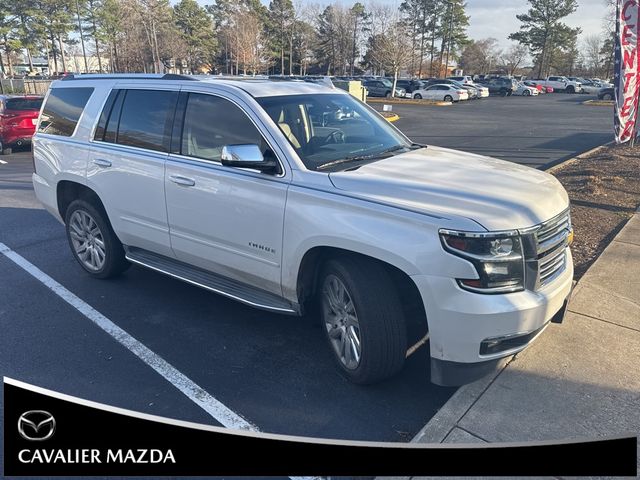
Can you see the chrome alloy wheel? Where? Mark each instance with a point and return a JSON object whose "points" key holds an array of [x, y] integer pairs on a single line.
{"points": [[341, 322], [87, 240]]}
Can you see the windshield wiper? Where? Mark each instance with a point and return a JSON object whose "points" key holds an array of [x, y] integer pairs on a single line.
{"points": [[359, 158]]}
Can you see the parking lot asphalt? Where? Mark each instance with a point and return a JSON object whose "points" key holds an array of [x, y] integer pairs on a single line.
{"points": [[534, 131], [275, 371]]}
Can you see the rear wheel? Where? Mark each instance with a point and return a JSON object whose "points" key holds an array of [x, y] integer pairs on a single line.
{"points": [[418, 96], [92, 240], [363, 319], [5, 150], [388, 95], [607, 96], [448, 98]]}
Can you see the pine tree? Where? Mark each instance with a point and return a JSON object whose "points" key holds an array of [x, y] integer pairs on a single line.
{"points": [[545, 35]]}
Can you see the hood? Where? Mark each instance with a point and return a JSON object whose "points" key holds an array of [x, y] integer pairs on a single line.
{"points": [[497, 194]]}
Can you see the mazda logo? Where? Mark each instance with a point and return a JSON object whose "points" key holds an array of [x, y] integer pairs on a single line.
{"points": [[36, 425]]}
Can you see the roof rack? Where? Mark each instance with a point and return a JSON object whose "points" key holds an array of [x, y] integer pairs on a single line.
{"points": [[128, 76]]}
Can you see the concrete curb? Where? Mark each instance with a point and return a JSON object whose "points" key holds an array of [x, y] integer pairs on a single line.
{"points": [[391, 118], [551, 167], [598, 103], [446, 419]]}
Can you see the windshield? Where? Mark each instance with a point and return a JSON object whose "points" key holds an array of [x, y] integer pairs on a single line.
{"points": [[333, 132]]}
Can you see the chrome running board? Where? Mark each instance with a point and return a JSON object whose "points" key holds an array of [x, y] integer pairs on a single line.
{"points": [[210, 281]]}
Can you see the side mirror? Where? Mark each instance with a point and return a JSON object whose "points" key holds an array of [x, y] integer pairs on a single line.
{"points": [[248, 156]]}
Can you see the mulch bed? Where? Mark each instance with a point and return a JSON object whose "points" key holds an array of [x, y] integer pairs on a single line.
{"points": [[604, 188]]}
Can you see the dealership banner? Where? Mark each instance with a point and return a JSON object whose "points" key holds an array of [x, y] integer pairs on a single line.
{"points": [[53, 434], [626, 82]]}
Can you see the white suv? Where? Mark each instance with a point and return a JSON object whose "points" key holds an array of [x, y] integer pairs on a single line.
{"points": [[295, 197]]}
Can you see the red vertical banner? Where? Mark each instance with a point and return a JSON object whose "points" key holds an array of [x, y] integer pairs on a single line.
{"points": [[627, 83]]}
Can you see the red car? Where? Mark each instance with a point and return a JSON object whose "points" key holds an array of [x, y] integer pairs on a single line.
{"points": [[541, 88], [18, 118]]}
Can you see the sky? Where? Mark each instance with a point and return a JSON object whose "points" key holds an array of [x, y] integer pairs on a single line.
{"points": [[497, 18]]}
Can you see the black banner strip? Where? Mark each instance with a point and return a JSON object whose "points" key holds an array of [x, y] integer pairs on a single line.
{"points": [[46, 435]]}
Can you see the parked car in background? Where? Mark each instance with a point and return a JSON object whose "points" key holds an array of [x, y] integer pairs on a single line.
{"points": [[606, 93], [471, 91], [541, 88], [561, 84], [604, 83], [382, 87], [18, 119], [482, 91], [410, 86], [526, 90], [442, 92], [464, 79], [591, 87], [501, 86]]}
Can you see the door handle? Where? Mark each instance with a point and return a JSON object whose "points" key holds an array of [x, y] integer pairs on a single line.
{"points": [[101, 162], [184, 181]]}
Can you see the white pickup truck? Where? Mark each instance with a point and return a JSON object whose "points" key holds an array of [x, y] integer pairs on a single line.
{"points": [[297, 198], [561, 84]]}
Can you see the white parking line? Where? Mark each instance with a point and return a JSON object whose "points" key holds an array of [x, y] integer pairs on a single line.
{"points": [[3, 162], [194, 392]]}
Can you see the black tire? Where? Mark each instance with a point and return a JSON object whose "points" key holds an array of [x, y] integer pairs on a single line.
{"points": [[114, 259], [526, 93], [448, 98], [503, 93], [570, 89], [388, 95], [418, 96], [6, 150], [607, 96], [379, 313]]}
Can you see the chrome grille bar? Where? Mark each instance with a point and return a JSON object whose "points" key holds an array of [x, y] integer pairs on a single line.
{"points": [[551, 244]]}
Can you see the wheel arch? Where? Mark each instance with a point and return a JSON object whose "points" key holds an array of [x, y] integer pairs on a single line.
{"points": [[413, 305], [67, 191]]}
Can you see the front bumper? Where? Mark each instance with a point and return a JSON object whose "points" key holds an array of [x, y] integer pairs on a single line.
{"points": [[460, 321]]}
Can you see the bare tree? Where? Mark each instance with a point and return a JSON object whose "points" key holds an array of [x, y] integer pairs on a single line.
{"points": [[591, 51], [514, 57], [392, 49], [479, 56]]}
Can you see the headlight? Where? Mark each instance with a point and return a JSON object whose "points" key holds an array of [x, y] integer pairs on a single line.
{"points": [[497, 257]]}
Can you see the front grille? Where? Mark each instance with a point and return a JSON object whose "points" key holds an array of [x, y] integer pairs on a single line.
{"points": [[551, 247]]}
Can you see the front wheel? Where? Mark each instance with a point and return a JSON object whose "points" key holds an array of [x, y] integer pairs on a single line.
{"points": [[570, 89], [417, 96], [607, 96], [363, 319], [388, 95], [448, 98], [92, 240], [526, 93]]}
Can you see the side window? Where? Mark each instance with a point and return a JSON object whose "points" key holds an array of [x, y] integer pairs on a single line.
{"points": [[63, 109], [146, 119], [212, 122], [104, 116]]}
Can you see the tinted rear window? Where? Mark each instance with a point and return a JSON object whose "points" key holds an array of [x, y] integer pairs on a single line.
{"points": [[23, 104], [146, 119], [63, 109]]}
